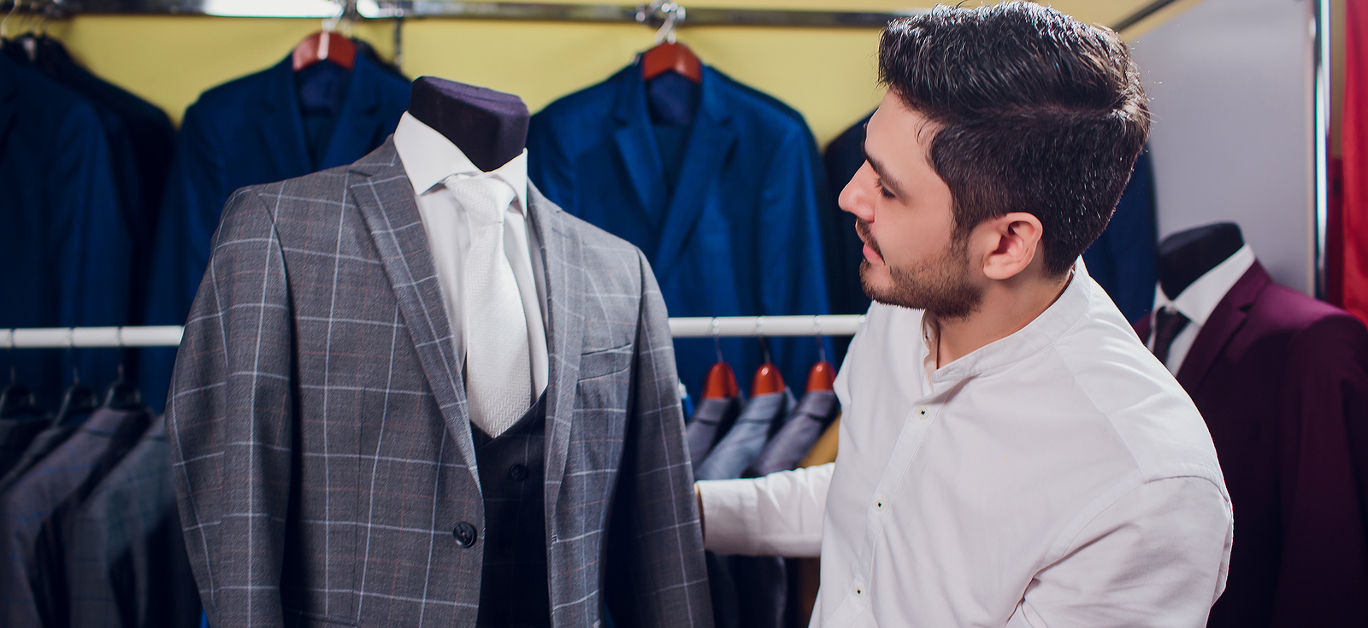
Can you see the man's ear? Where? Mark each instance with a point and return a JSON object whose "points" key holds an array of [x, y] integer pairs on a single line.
{"points": [[1011, 242]]}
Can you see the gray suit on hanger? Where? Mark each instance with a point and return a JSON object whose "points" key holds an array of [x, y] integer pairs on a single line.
{"points": [[321, 445]]}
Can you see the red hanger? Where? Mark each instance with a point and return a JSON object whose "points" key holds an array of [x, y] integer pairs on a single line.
{"points": [[822, 377], [767, 380], [674, 57], [721, 383], [325, 45]]}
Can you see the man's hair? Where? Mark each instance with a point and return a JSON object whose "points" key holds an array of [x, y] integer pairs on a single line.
{"points": [[1034, 111]]}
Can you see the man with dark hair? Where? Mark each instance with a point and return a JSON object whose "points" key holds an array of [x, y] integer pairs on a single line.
{"points": [[1010, 454]]}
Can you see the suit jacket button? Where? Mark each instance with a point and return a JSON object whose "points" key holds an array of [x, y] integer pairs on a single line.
{"points": [[518, 472], [465, 534]]}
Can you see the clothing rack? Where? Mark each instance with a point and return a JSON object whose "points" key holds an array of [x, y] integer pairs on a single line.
{"points": [[170, 335], [518, 11]]}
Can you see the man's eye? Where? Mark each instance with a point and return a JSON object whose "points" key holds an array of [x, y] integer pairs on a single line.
{"points": [[884, 191]]}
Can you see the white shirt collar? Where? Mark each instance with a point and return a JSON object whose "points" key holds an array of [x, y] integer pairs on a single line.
{"points": [[429, 158], [1044, 330], [1200, 299]]}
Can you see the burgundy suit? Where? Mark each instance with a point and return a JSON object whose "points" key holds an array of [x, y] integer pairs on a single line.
{"points": [[1282, 381]]}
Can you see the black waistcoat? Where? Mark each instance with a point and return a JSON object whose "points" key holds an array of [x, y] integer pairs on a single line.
{"points": [[513, 592]]}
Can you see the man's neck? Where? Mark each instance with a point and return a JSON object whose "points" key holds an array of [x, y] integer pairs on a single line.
{"points": [[1005, 310]]}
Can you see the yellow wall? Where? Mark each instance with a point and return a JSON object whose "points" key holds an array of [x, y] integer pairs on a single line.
{"points": [[827, 74]]}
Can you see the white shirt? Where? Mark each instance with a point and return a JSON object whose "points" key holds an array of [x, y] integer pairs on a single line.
{"points": [[1198, 301], [1057, 477], [429, 158]]}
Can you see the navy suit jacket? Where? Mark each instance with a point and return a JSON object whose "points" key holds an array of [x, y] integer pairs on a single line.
{"points": [[1282, 381], [738, 236], [36, 510], [64, 247], [247, 132]]}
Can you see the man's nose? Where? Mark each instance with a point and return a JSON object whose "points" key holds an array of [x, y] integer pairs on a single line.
{"points": [[855, 197]]}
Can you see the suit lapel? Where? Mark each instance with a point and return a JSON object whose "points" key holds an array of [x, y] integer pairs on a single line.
{"points": [[357, 121], [1221, 326], [565, 293], [385, 198], [280, 126], [636, 145], [709, 142]]}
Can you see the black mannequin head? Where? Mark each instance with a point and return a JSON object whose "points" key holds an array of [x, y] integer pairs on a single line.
{"points": [[489, 127], [1187, 255]]}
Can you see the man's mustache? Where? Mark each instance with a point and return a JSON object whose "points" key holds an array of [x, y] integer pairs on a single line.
{"points": [[862, 229]]}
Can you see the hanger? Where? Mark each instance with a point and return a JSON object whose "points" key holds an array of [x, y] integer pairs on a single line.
{"points": [[121, 394], [668, 55], [78, 399], [721, 381], [767, 378], [16, 400], [822, 377], [327, 44]]}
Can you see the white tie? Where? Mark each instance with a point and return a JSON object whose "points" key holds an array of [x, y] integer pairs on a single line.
{"points": [[498, 371]]}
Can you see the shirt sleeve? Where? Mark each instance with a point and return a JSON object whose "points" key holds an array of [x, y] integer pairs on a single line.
{"points": [[776, 515], [1156, 556]]}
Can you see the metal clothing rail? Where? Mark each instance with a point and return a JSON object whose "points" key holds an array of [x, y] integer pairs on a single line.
{"points": [[519, 11], [170, 335]]}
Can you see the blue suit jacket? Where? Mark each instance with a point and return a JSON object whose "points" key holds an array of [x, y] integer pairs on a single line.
{"points": [[64, 246], [246, 132], [738, 236]]}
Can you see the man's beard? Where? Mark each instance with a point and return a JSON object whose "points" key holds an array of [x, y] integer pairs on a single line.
{"points": [[941, 287]]}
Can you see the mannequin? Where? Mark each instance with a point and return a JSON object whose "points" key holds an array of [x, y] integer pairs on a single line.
{"points": [[1187, 255], [1281, 380], [489, 127]]}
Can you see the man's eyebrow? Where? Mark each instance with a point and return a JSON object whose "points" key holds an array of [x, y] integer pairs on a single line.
{"points": [[882, 171]]}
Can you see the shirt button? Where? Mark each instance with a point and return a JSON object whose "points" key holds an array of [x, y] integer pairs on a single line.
{"points": [[465, 534], [517, 472], [880, 503], [859, 590], [921, 412]]}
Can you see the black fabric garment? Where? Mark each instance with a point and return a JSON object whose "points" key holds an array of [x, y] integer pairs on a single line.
{"points": [[749, 592], [709, 423], [42, 444], [15, 436], [513, 589], [125, 563], [34, 510]]}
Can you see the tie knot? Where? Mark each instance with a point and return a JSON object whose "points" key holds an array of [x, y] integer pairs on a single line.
{"points": [[485, 196]]}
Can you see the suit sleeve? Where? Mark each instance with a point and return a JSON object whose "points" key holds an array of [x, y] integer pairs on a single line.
{"points": [[790, 248], [229, 421], [1156, 555], [195, 192], [655, 545], [1324, 569]]}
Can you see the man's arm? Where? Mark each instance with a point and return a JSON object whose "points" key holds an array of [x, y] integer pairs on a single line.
{"points": [[1157, 555], [776, 515]]}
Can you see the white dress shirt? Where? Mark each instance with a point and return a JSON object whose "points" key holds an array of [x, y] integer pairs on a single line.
{"points": [[1057, 477], [1198, 301], [429, 158]]}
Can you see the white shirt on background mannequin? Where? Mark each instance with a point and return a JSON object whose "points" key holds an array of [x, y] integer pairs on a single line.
{"points": [[429, 158], [1058, 476], [1198, 301]]}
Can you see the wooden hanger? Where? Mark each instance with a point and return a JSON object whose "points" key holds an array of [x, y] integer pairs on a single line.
{"points": [[669, 55], [325, 45], [822, 377], [767, 380], [721, 383]]}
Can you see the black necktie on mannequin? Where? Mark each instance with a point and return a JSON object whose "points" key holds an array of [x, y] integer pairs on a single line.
{"points": [[1168, 322]]}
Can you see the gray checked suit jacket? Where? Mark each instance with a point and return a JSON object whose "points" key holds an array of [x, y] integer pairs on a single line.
{"points": [[321, 446]]}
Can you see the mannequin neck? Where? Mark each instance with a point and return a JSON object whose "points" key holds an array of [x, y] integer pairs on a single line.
{"points": [[489, 127], [1187, 255]]}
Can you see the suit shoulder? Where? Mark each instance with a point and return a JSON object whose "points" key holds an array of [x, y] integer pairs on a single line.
{"points": [[233, 94], [589, 103], [759, 108]]}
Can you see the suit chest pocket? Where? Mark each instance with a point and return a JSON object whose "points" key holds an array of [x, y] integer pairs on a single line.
{"points": [[602, 363]]}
